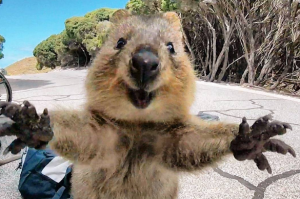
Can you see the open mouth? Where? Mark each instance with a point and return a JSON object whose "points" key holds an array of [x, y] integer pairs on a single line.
{"points": [[140, 98]]}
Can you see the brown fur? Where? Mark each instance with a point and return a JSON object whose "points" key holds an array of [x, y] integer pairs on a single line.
{"points": [[121, 152]]}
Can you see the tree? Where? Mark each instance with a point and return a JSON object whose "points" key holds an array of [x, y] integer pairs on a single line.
{"points": [[168, 5], [253, 41], [78, 43], [85, 35], [151, 6], [137, 6], [102, 14], [45, 52], [2, 40]]}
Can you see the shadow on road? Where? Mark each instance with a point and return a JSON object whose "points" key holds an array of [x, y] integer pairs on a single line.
{"points": [[23, 84]]}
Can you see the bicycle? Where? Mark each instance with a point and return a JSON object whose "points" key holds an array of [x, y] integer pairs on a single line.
{"points": [[7, 87], [7, 96]]}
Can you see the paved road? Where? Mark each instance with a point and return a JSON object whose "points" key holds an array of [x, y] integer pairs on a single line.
{"points": [[229, 179]]}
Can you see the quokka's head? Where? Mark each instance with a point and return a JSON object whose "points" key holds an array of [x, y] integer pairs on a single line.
{"points": [[142, 72]]}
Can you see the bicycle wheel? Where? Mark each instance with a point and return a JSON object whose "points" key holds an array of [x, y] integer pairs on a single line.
{"points": [[5, 89]]}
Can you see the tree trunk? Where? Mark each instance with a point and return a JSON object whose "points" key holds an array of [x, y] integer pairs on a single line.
{"points": [[251, 74], [221, 55], [214, 47], [242, 81], [290, 56], [215, 68], [287, 68], [189, 47], [224, 68], [251, 66], [263, 72], [207, 59]]}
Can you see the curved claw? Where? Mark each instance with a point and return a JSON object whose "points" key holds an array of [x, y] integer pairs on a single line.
{"points": [[262, 163], [15, 147], [278, 128], [279, 146], [45, 112], [244, 127], [45, 119], [287, 126]]}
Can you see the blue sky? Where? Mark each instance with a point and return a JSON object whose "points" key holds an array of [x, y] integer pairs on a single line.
{"points": [[25, 23]]}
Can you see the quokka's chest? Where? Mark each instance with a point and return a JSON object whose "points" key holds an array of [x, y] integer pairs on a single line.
{"points": [[131, 146], [137, 146]]}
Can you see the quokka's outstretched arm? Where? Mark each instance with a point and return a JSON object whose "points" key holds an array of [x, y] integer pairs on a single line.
{"points": [[198, 143], [70, 133], [74, 135], [195, 144]]}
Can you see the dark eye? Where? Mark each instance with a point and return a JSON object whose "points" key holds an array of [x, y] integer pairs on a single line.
{"points": [[121, 43], [171, 47]]}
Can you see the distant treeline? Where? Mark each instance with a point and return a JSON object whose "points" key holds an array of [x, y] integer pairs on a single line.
{"points": [[246, 41], [82, 37], [78, 43]]}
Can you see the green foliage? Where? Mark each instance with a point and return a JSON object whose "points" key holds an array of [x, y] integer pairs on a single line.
{"points": [[78, 28], [168, 5], [136, 6], [94, 42], [39, 66], [101, 14], [151, 6], [88, 33], [2, 40], [78, 43], [45, 52], [60, 47], [0, 1]]}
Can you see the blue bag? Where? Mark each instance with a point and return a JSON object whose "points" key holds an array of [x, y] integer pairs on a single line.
{"points": [[44, 175]]}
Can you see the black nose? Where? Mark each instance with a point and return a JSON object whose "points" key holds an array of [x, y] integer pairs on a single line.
{"points": [[145, 67]]}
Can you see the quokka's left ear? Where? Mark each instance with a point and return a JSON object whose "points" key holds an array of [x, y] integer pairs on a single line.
{"points": [[173, 19]]}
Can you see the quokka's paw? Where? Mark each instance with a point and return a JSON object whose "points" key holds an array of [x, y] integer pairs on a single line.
{"points": [[252, 141], [31, 129]]}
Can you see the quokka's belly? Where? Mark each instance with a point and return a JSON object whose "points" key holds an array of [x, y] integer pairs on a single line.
{"points": [[147, 181]]}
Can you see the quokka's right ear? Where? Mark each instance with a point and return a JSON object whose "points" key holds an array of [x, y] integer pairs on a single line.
{"points": [[120, 15]]}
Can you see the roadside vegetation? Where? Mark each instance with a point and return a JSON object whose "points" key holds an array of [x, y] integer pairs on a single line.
{"points": [[77, 44], [239, 41]]}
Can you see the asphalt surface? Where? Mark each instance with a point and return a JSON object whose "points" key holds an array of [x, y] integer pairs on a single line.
{"points": [[229, 179]]}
